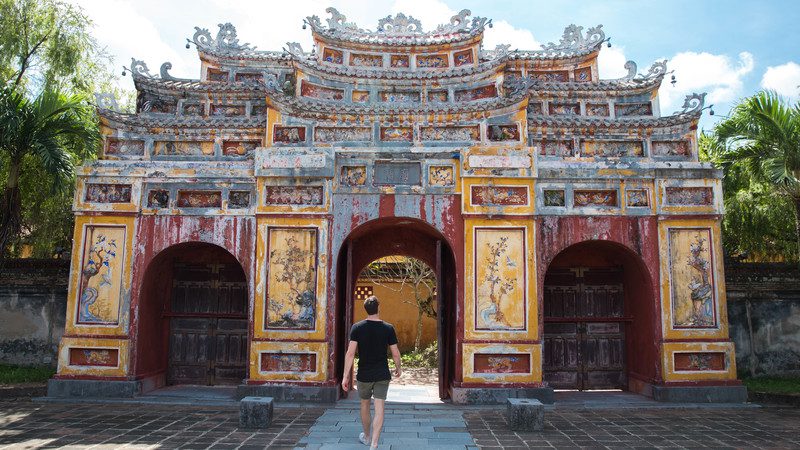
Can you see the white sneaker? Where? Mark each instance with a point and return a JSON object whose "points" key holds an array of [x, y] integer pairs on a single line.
{"points": [[363, 439]]}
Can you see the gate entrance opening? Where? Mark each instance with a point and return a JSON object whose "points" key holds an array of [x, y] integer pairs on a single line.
{"points": [[195, 304], [409, 238], [584, 328], [598, 310]]}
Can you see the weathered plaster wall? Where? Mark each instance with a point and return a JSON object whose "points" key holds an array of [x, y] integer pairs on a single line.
{"points": [[773, 294], [33, 301]]}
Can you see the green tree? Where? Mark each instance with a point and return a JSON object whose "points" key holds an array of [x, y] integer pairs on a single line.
{"points": [[50, 132], [48, 43], [758, 146]]}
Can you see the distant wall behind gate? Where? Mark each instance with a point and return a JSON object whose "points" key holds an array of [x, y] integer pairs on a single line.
{"points": [[33, 302], [33, 307]]}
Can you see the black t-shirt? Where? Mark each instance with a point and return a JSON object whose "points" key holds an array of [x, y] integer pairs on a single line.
{"points": [[373, 337]]}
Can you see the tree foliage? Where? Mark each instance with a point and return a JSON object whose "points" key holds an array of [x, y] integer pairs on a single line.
{"points": [[758, 149], [46, 50], [49, 132]]}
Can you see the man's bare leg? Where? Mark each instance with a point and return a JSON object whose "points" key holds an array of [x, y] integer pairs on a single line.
{"points": [[377, 421], [365, 417]]}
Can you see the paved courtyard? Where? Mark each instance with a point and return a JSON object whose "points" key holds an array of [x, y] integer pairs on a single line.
{"points": [[110, 426]]}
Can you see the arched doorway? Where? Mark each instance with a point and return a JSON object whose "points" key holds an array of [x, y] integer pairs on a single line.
{"points": [[598, 308], [193, 317], [405, 237]]}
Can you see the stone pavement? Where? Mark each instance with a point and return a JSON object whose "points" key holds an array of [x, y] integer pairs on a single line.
{"points": [[26, 425], [406, 426]]}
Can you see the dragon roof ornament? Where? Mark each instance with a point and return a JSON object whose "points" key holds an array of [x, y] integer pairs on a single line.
{"points": [[693, 104], [398, 29], [226, 41], [573, 39], [657, 70]]}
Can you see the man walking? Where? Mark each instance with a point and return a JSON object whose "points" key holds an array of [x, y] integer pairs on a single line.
{"points": [[371, 337]]}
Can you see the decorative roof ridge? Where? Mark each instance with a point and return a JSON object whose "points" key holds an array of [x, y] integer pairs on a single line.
{"points": [[167, 120], [573, 43], [227, 44], [693, 107], [399, 29], [653, 78], [304, 104], [204, 86], [452, 72]]}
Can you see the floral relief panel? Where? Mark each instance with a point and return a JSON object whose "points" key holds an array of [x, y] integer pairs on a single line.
{"points": [[118, 147], [440, 176], [462, 58], [499, 195], [692, 278], [102, 357], [479, 93], [469, 133], [551, 75], [199, 199], [364, 60], [101, 271], [699, 361], [353, 175], [320, 92], [583, 75], [184, 148], [342, 134], [671, 148], [108, 193], [332, 56], [432, 61], [288, 362], [399, 61], [239, 148], [502, 363], [289, 135], [293, 195], [291, 278], [500, 279]]}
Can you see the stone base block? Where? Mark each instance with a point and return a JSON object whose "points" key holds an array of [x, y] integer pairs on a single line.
{"points": [[289, 392], [700, 394], [255, 412], [498, 396], [93, 388], [525, 414]]}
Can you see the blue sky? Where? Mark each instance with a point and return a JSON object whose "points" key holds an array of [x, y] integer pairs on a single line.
{"points": [[729, 49]]}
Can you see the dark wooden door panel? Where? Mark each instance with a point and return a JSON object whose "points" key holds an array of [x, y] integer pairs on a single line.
{"points": [[208, 325], [584, 329]]}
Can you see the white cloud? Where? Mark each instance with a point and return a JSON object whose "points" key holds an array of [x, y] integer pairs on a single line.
{"points": [[783, 79], [503, 32], [718, 75], [611, 62]]}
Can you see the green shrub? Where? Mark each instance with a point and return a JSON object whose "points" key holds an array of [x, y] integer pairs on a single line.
{"points": [[18, 374]]}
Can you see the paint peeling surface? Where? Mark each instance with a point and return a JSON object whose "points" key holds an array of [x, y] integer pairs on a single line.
{"points": [[284, 174]]}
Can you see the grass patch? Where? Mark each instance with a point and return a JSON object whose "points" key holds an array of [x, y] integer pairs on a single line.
{"points": [[18, 374], [773, 385]]}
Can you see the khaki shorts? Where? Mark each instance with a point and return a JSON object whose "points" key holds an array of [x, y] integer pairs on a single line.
{"points": [[367, 390]]}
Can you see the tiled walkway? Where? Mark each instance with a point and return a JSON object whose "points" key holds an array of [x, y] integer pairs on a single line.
{"points": [[610, 421], [406, 427]]}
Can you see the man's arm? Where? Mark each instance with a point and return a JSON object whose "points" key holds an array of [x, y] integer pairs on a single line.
{"points": [[396, 357], [348, 364]]}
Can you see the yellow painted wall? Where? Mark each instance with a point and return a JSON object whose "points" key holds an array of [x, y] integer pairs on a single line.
{"points": [[401, 315]]}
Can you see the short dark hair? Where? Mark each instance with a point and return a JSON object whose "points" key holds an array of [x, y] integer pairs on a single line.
{"points": [[371, 305]]}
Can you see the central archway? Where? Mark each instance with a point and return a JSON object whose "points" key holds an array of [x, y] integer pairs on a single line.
{"points": [[405, 237]]}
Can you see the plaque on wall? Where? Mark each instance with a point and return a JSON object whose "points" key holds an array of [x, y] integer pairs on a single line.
{"points": [[398, 174]]}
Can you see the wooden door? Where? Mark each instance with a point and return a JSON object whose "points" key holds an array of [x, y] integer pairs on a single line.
{"points": [[208, 325], [584, 329]]}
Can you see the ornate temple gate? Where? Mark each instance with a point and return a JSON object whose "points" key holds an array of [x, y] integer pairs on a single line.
{"points": [[584, 329], [208, 324], [508, 157]]}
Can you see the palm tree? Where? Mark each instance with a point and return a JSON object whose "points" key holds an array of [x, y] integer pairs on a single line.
{"points": [[763, 135], [51, 131]]}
